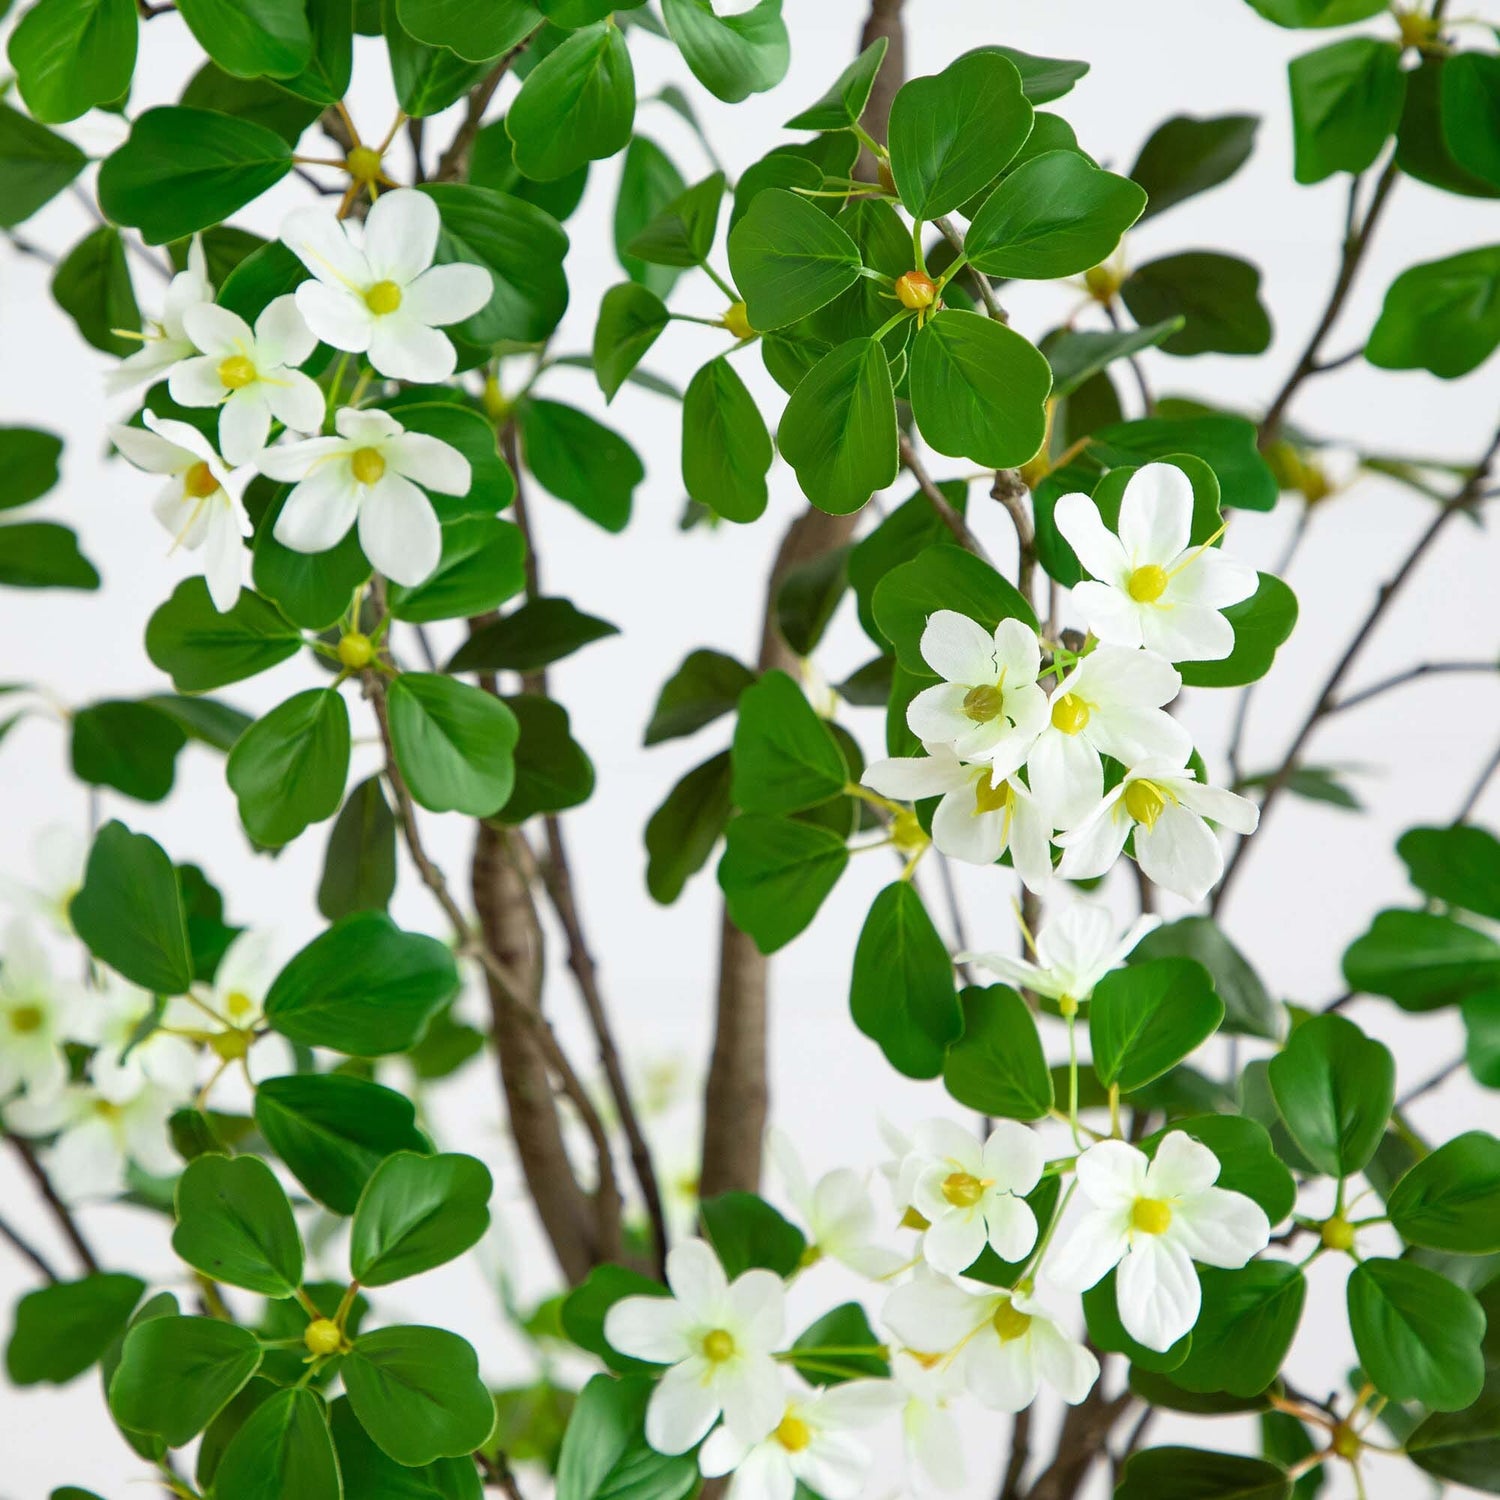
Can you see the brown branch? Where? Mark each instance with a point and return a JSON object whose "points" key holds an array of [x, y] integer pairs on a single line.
{"points": [[454, 162], [26, 1249], [1020, 1455], [1477, 790], [1437, 1080], [1011, 491], [1411, 674], [937, 500], [1461, 502], [59, 1210], [1081, 1442]]}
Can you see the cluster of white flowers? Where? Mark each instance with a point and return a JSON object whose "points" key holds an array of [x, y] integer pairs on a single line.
{"points": [[1154, 600], [729, 1382], [93, 1067], [381, 298]]}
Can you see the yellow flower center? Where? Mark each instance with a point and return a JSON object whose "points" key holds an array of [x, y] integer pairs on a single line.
{"points": [[983, 703], [238, 1004], [1147, 585], [322, 1337], [229, 1046], [1417, 30], [356, 650], [1151, 1215], [1010, 1322], [916, 290], [25, 1019], [237, 372], [963, 1189], [1144, 801], [718, 1345], [1346, 1442], [1069, 714], [382, 298], [793, 1433], [363, 164], [737, 320], [368, 465], [987, 798], [106, 1109], [199, 481]]}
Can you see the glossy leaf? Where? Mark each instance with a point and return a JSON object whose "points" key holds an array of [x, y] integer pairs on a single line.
{"points": [[60, 1330], [454, 744], [844, 102], [417, 1212], [202, 649], [553, 771], [605, 1453], [71, 55], [175, 1374], [732, 56], [1334, 1088], [997, 1065], [235, 1225], [581, 461], [1421, 960], [1217, 297], [1459, 865], [288, 770], [1346, 101], [631, 318], [726, 450], [1185, 156], [577, 105], [1450, 1200], [36, 164], [788, 258], [359, 870], [282, 1452], [683, 831], [1261, 624], [775, 874], [785, 757], [1443, 316], [543, 630], [1147, 1017]]}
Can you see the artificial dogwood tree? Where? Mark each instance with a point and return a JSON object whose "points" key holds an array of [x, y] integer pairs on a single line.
{"points": [[344, 423]]}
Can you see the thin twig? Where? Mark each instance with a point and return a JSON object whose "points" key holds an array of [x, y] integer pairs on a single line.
{"points": [[1011, 492], [25, 1248], [1477, 790], [1411, 674], [1020, 1454], [936, 499], [977, 279], [454, 161], [60, 1210], [1137, 369], [1437, 1080]]}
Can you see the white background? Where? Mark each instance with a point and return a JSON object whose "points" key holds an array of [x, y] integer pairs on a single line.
{"points": [[1310, 885]]}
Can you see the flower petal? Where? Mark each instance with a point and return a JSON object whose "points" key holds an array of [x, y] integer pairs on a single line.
{"points": [[1088, 1251], [1002, 1374], [757, 1306], [224, 556], [338, 316], [1112, 615], [290, 462], [1156, 515], [1180, 853], [1185, 632], [1181, 1166], [399, 530], [682, 1407], [1096, 546], [936, 714], [753, 1394], [282, 334], [910, 777], [1065, 1365], [961, 831], [405, 349], [1214, 580], [947, 1141], [150, 451], [1013, 1157], [1112, 1174], [448, 294], [217, 331], [650, 1328], [434, 464], [195, 382], [697, 1279], [244, 424], [959, 649], [319, 240], [1220, 1228], [296, 401], [1157, 1292], [1018, 652], [1067, 776], [401, 235], [931, 1314], [953, 1241], [1011, 1226], [319, 512]]}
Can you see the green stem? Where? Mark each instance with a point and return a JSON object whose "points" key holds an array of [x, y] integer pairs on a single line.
{"points": [[918, 258], [1041, 1248], [719, 282], [869, 142]]}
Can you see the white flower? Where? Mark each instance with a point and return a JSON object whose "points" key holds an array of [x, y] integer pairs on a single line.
{"points": [[250, 376], [198, 505], [367, 472], [1005, 1343], [166, 342], [979, 817], [838, 1211], [1109, 704], [385, 297], [718, 1338], [129, 1061], [37, 1015], [1154, 589], [811, 1444], [225, 1013], [989, 707], [1075, 948], [973, 1193], [58, 856], [1154, 1218], [934, 1444], [1167, 807], [97, 1137]]}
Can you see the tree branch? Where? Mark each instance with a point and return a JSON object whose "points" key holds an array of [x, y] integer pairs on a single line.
{"points": [[454, 161], [1085, 1431], [1477, 790], [937, 500], [25, 1248], [1411, 674], [59, 1210]]}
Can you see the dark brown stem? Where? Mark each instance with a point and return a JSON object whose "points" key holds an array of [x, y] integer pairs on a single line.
{"points": [[59, 1210], [1137, 369], [25, 1248], [1081, 1442], [937, 500], [1020, 1455], [454, 162], [1010, 490], [1411, 674], [1491, 766]]}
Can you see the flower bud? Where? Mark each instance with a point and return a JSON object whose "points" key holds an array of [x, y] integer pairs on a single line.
{"points": [[737, 321], [322, 1337], [1103, 282], [916, 290], [1338, 1233], [363, 164], [356, 651]]}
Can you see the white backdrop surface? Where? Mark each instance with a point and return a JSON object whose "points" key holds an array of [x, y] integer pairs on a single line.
{"points": [[1308, 888]]}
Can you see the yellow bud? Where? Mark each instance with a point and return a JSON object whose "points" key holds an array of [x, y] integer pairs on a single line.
{"points": [[229, 1046], [916, 290], [1346, 1442], [912, 1219], [382, 298], [496, 407], [368, 465], [1069, 714], [363, 164], [322, 1337], [1010, 1322], [1337, 1233], [356, 651], [737, 320], [1103, 282]]}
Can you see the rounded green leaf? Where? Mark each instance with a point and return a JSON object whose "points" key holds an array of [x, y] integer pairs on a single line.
{"points": [[746, 1233], [979, 390], [577, 105], [788, 258], [631, 318], [543, 630], [1346, 101], [785, 758], [93, 286], [417, 1392], [1450, 1200], [1298, 14], [60, 1330], [71, 55], [476, 32], [483, 564], [175, 1374], [43, 555], [1247, 1162], [251, 38], [775, 874], [997, 1065], [1216, 296], [1147, 1017], [1186, 156], [605, 1452], [366, 1471], [234, 1224], [1443, 316], [1459, 865], [581, 461], [1470, 108], [455, 744], [732, 56], [131, 747], [288, 769], [202, 649], [682, 832], [726, 450], [1421, 960], [553, 771], [1246, 1327], [282, 1452], [844, 102], [1262, 623], [417, 1212], [1196, 1474], [36, 164]]}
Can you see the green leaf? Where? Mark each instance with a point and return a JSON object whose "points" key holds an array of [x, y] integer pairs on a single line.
{"points": [[131, 747], [359, 870], [1227, 444], [42, 555], [1462, 1447], [747, 1233], [1147, 1017], [1196, 1474], [1459, 865], [1056, 215], [129, 911], [844, 102], [427, 79], [288, 769], [682, 234], [325, 79], [788, 258], [28, 464], [1334, 1088], [1217, 297], [996, 1065], [70, 55], [417, 1392], [553, 771], [1417, 1334], [201, 649], [1304, 13], [282, 1452], [580, 461], [1248, 1009], [605, 1455], [901, 536], [648, 182], [333, 1130], [363, 987], [249, 38], [952, 134], [706, 686], [1245, 1329], [1247, 1162], [483, 564], [367, 1472], [255, 99], [1481, 1015], [540, 632], [942, 577], [979, 390], [492, 164], [1450, 1200], [62, 1329], [234, 1224], [35, 166], [1470, 111], [785, 757], [185, 169], [176, 1374], [1186, 156], [809, 597], [1043, 79], [1261, 623], [1102, 1314], [92, 285], [631, 318], [1346, 101], [455, 744], [731, 56], [775, 874], [585, 1307], [1442, 316], [476, 32], [418, 1211], [577, 105], [846, 1327], [1421, 960], [1423, 148], [901, 990], [839, 428], [683, 831], [726, 450]]}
